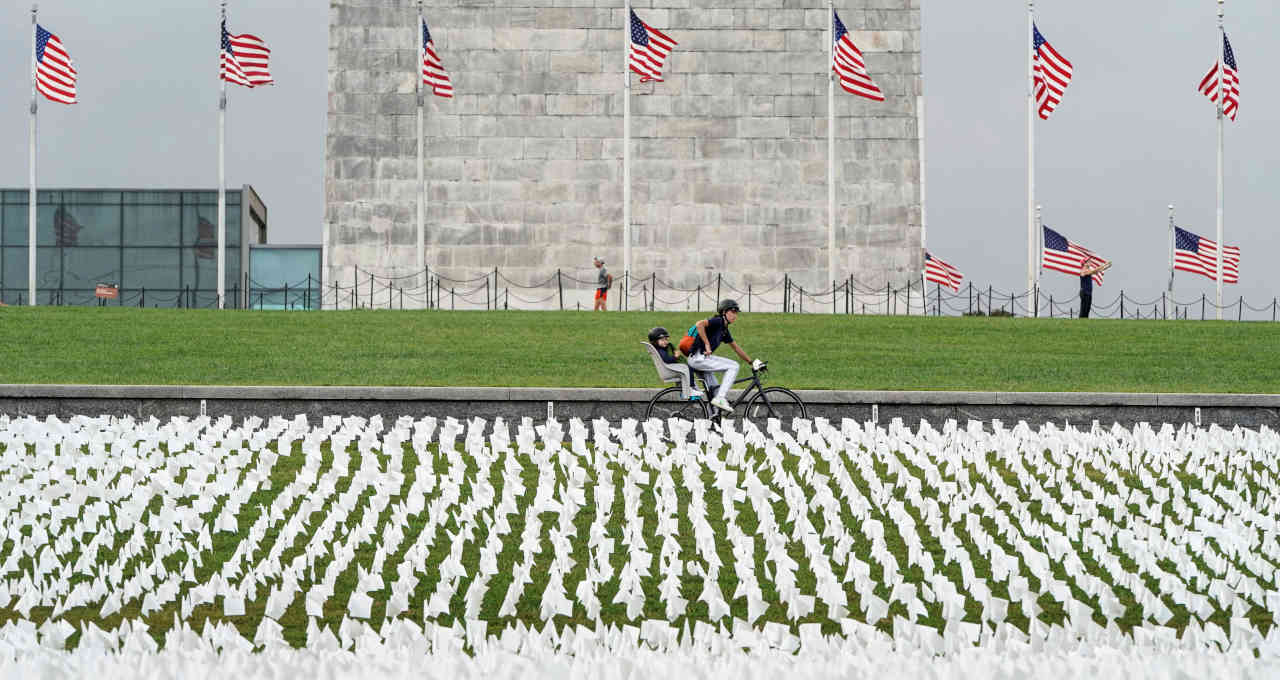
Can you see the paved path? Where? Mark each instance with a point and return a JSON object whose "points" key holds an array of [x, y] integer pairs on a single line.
{"points": [[1075, 408]]}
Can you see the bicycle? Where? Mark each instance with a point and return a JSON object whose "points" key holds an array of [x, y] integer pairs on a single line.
{"points": [[762, 402]]}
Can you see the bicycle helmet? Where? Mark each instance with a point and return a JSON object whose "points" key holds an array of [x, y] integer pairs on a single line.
{"points": [[657, 333], [726, 305]]}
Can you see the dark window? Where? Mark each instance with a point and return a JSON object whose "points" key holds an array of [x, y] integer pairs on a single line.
{"points": [[86, 224], [87, 267], [152, 225], [15, 225], [48, 267], [151, 268]]}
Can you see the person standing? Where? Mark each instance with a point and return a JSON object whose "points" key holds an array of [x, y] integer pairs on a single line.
{"points": [[603, 283], [1090, 268]]}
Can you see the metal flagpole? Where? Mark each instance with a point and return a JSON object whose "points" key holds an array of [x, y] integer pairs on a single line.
{"points": [[422, 190], [924, 213], [626, 140], [1171, 248], [1222, 36], [1031, 150], [920, 122], [31, 196], [1039, 238], [831, 141], [222, 171]]}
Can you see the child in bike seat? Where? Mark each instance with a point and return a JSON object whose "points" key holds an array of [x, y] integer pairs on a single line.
{"points": [[661, 341]]}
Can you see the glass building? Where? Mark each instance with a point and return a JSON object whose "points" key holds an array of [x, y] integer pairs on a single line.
{"points": [[159, 246], [284, 277]]}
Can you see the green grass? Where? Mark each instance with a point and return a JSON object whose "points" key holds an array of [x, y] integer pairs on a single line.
{"points": [[581, 349]]}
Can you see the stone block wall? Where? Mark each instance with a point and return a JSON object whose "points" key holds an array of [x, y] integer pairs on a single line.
{"points": [[524, 165]]}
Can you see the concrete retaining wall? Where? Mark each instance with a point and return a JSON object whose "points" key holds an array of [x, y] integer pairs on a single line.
{"points": [[1076, 408]]}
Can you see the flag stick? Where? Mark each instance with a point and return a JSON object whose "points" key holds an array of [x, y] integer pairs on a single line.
{"points": [[626, 139], [422, 189], [1221, 71], [1031, 151], [222, 170], [31, 196], [1171, 248], [831, 141]]}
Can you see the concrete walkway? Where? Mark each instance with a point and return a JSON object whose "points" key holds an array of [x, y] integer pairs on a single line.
{"points": [[635, 395], [163, 401]]}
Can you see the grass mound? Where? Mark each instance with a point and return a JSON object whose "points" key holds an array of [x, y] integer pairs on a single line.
{"points": [[580, 349]]}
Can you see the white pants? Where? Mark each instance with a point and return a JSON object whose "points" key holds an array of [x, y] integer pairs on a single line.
{"points": [[709, 363]]}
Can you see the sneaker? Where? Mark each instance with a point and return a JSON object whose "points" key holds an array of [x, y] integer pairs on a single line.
{"points": [[722, 404], [697, 395]]}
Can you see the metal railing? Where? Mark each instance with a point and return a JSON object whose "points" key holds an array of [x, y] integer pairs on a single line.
{"points": [[562, 290]]}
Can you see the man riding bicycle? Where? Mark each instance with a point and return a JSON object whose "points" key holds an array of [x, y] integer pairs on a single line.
{"points": [[711, 333]]}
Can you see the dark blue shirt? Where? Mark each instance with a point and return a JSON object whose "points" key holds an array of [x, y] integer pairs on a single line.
{"points": [[1086, 285], [717, 333], [665, 353]]}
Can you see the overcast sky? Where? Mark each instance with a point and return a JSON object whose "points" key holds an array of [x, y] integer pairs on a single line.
{"points": [[1131, 136]]}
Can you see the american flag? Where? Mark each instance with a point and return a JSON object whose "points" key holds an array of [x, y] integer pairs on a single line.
{"points": [[433, 72], [942, 273], [649, 49], [1052, 74], [849, 65], [1230, 81], [1199, 255], [66, 230], [206, 239], [1062, 255], [55, 74], [244, 59]]}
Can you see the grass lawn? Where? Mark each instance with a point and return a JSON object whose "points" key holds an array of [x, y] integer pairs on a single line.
{"points": [[582, 349]]}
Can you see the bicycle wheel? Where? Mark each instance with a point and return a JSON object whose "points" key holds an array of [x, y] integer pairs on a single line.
{"points": [[776, 402], [670, 404]]}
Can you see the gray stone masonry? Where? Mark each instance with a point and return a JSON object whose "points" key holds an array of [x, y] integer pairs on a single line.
{"points": [[524, 164]]}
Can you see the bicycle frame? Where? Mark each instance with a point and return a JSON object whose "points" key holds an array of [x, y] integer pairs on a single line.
{"points": [[745, 394]]}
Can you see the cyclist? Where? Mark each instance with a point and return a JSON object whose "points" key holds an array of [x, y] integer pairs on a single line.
{"points": [[661, 341], [711, 333]]}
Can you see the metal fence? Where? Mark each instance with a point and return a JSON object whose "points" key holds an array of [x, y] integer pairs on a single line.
{"points": [[563, 290]]}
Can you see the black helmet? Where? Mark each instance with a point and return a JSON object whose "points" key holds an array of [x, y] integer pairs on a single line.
{"points": [[657, 333], [727, 304]]}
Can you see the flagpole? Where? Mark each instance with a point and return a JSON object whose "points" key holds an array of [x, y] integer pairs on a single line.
{"points": [[1031, 151], [422, 190], [626, 140], [1222, 36], [924, 215], [1039, 236], [31, 196], [222, 172], [1171, 248], [831, 142]]}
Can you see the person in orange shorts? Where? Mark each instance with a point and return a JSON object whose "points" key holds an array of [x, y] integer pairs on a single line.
{"points": [[603, 283]]}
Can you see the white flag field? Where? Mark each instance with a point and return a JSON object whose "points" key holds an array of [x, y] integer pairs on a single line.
{"points": [[440, 548]]}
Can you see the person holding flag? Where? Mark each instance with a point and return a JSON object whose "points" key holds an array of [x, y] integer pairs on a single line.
{"points": [[1092, 266]]}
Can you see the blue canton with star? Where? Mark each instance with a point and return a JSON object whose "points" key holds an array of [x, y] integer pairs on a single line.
{"points": [[639, 36], [1186, 240]]}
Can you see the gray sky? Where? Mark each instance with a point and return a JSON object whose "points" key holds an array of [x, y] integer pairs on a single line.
{"points": [[148, 111], [1131, 135]]}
